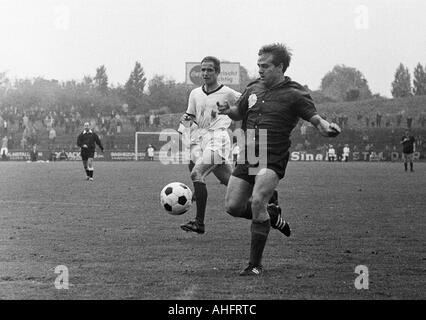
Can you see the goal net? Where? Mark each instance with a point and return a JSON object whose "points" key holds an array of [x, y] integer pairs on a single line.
{"points": [[166, 147]]}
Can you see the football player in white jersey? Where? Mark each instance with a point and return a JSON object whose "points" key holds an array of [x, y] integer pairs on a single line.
{"points": [[210, 140]]}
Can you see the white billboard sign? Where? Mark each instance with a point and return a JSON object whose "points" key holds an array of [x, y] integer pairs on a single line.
{"points": [[229, 73]]}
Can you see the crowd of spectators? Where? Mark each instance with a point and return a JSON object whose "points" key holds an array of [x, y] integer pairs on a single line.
{"points": [[378, 120], [22, 129], [31, 124], [360, 140]]}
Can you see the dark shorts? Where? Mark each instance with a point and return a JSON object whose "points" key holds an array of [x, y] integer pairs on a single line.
{"points": [[86, 154], [276, 163], [408, 156]]}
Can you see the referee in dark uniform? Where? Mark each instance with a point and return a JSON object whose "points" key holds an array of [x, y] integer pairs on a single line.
{"points": [[87, 141], [407, 142], [274, 103]]}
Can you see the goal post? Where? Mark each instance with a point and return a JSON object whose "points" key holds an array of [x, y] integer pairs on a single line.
{"points": [[137, 140], [158, 139]]}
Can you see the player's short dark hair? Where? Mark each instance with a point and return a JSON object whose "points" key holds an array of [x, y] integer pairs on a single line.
{"points": [[216, 62], [280, 53]]}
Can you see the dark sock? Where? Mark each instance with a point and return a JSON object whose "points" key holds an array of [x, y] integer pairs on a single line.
{"points": [[87, 173], [405, 165], [91, 173], [200, 191], [191, 165], [411, 166], [259, 235]]}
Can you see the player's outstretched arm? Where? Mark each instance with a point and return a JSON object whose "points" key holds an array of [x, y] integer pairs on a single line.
{"points": [[230, 111], [325, 128]]}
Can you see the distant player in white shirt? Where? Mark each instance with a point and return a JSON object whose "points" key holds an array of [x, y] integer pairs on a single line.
{"points": [[346, 151], [210, 140], [150, 151], [4, 150], [332, 154]]}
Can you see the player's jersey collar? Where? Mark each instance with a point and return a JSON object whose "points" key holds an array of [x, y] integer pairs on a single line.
{"points": [[90, 131], [285, 82], [216, 90]]}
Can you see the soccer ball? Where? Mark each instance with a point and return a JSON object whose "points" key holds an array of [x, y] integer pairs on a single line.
{"points": [[176, 198]]}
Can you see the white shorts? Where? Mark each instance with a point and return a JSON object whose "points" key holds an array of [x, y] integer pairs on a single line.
{"points": [[5, 150], [217, 141]]}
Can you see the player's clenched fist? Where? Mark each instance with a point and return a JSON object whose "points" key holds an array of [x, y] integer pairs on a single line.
{"points": [[223, 108], [185, 117], [333, 130], [186, 120]]}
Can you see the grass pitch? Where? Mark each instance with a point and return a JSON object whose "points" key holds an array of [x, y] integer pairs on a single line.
{"points": [[118, 243]]}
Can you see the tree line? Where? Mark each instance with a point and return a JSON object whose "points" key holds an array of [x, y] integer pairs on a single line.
{"points": [[402, 86], [94, 94]]}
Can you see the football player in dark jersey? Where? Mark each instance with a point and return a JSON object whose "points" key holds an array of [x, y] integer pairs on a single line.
{"points": [[275, 104]]}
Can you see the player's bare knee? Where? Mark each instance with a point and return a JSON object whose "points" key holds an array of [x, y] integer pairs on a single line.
{"points": [[258, 201]]}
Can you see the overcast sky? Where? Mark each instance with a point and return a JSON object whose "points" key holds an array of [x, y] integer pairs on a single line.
{"points": [[67, 39]]}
